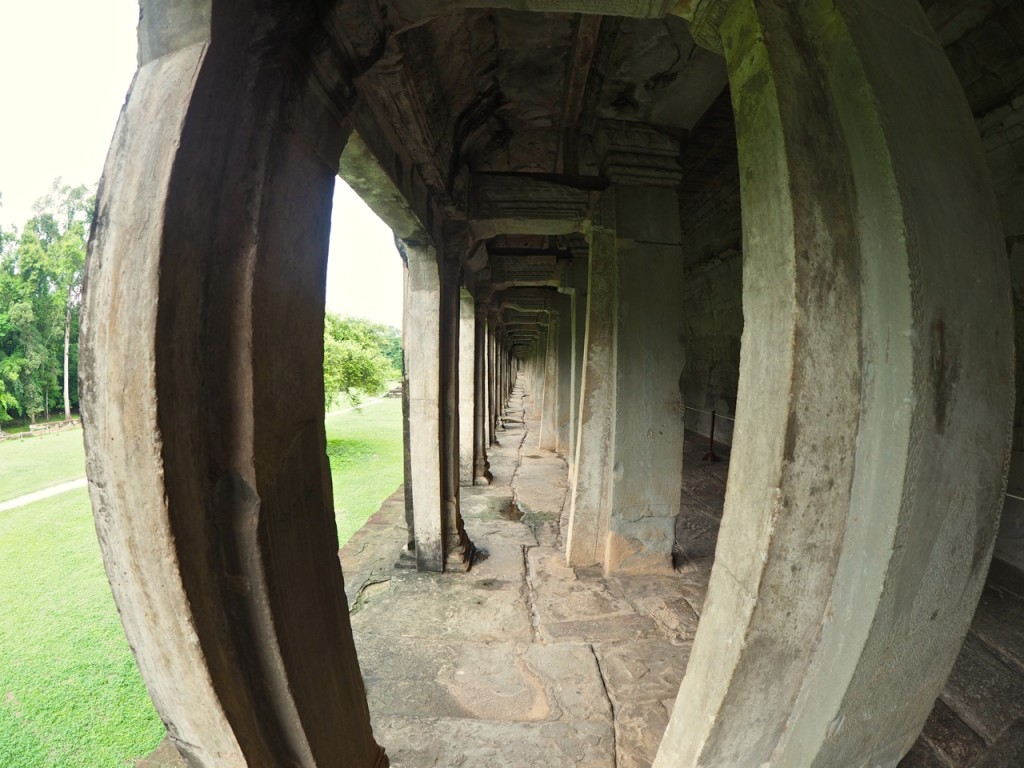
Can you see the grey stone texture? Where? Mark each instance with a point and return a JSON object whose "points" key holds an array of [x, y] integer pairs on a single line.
{"points": [[522, 661], [836, 193]]}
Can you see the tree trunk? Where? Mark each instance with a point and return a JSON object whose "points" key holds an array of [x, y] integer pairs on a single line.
{"points": [[67, 348]]}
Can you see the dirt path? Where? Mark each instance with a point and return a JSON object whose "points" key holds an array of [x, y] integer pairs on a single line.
{"points": [[46, 493]]}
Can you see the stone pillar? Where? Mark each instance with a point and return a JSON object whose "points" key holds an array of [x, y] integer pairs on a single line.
{"points": [[410, 519], [458, 549], [467, 397], [423, 356], [492, 368], [499, 397], [591, 483], [481, 475], [564, 366], [874, 397], [648, 451], [547, 368], [644, 353], [204, 302], [581, 279]]}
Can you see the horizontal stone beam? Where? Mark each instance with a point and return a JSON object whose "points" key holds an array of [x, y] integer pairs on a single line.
{"points": [[414, 12], [514, 203]]}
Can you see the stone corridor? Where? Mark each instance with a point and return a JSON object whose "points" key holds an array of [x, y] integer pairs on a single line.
{"points": [[520, 661], [523, 662]]}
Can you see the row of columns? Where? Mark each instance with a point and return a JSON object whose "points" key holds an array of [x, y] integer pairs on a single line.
{"points": [[458, 376], [603, 360], [872, 419]]}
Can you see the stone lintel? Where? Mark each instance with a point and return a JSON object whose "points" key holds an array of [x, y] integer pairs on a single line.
{"points": [[409, 13], [636, 155], [509, 203], [361, 171]]}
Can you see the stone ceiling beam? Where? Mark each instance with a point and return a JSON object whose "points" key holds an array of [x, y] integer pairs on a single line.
{"points": [[411, 13], [502, 204], [361, 171], [588, 30]]}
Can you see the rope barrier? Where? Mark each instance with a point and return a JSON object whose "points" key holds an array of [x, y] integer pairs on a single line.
{"points": [[709, 413]]}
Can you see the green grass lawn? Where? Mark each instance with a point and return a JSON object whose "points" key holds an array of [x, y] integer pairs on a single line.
{"points": [[34, 463], [70, 693], [364, 447]]}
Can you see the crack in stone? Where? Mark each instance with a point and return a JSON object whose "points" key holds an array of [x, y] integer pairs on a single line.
{"points": [[611, 704], [361, 599], [531, 605]]}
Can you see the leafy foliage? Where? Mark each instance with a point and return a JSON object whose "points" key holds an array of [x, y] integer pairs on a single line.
{"points": [[40, 297], [360, 358]]}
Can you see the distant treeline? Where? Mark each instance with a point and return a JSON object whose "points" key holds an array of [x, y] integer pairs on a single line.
{"points": [[40, 301]]}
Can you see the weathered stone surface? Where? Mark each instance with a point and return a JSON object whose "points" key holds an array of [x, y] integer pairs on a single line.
{"points": [[662, 598], [441, 743], [164, 756], [950, 737], [922, 755], [492, 681], [580, 609], [999, 622], [1007, 751], [455, 606], [642, 680], [984, 692]]}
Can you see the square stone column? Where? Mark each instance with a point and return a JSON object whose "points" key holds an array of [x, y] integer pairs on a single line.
{"points": [[481, 473], [423, 355], [547, 376], [565, 367], [458, 549], [467, 386], [626, 497], [581, 280]]}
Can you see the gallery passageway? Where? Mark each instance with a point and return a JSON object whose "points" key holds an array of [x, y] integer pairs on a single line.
{"points": [[802, 217]]}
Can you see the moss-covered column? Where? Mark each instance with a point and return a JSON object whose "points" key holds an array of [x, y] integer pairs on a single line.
{"points": [[874, 398]]}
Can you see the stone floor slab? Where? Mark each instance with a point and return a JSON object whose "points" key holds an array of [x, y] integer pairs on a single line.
{"points": [[407, 677], [999, 621], [984, 692], [952, 740], [579, 609], [467, 606], [446, 743]]}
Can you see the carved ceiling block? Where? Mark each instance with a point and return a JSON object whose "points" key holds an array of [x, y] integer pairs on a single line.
{"points": [[637, 154], [516, 203]]}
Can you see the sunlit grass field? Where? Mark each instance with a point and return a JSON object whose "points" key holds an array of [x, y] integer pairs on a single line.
{"points": [[70, 694], [364, 447], [38, 462]]}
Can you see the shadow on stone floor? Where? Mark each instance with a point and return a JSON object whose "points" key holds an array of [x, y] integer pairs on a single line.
{"points": [[524, 661]]}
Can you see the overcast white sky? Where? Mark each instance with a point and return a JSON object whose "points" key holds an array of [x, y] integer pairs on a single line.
{"points": [[65, 67]]}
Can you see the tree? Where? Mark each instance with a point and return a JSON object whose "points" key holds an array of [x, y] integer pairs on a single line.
{"points": [[40, 294], [358, 358], [60, 225]]}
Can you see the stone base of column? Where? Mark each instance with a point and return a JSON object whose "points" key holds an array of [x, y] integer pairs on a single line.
{"points": [[482, 473], [461, 556], [459, 550], [406, 558]]}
